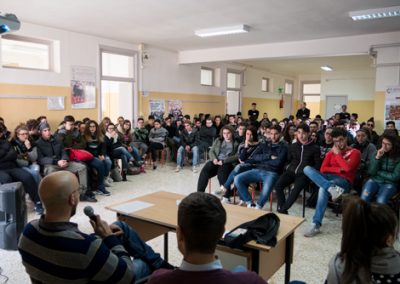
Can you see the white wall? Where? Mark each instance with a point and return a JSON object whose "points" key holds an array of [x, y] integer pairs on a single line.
{"points": [[357, 84], [75, 49]]}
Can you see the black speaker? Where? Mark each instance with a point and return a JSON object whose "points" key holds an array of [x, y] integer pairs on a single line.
{"points": [[13, 214]]}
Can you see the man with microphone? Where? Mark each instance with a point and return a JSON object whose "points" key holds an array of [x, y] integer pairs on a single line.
{"points": [[53, 249]]}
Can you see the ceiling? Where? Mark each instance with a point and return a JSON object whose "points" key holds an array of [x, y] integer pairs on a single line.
{"points": [[170, 24]]}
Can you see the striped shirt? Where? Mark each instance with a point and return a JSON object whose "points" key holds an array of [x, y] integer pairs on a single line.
{"points": [[60, 253]]}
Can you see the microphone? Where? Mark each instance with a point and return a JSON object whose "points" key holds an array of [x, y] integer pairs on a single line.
{"points": [[88, 210]]}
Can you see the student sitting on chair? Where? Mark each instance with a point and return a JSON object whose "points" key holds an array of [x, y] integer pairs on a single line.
{"points": [[201, 223]]}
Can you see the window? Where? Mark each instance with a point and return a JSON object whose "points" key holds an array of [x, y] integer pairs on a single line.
{"points": [[288, 87], [312, 88], [206, 76], [265, 84], [117, 65], [26, 53], [233, 80]]}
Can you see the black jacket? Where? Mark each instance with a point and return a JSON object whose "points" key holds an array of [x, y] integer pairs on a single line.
{"points": [[268, 156], [303, 113], [207, 135], [8, 156], [189, 139], [50, 151], [303, 155]]}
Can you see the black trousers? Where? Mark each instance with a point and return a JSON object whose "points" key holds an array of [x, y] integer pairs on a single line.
{"points": [[17, 174], [300, 182], [210, 170], [153, 147]]}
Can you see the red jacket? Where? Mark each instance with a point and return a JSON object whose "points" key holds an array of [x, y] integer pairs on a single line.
{"points": [[344, 164]]}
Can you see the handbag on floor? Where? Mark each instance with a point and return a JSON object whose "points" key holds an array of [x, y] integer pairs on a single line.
{"points": [[115, 174]]}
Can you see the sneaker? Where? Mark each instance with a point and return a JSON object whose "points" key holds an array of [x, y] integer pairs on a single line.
{"points": [[103, 191], [250, 205], [194, 169], [178, 169], [87, 198], [242, 203], [220, 190], [106, 183], [335, 191], [314, 230], [258, 207], [225, 200], [39, 208]]}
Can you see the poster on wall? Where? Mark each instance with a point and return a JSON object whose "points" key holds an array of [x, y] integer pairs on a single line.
{"points": [[157, 108], [175, 108], [392, 105], [83, 87]]}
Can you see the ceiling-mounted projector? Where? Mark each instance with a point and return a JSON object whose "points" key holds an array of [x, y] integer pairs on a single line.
{"points": [[9, 23]]}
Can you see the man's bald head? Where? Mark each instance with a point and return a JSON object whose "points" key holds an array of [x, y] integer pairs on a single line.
{"points": [[56, 188]]}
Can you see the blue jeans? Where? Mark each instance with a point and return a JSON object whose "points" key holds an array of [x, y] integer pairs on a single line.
{"points": [[240, 168], [34, 170], [384, 191], [324, 181], [268, 179], [181, 153], [135, 152], [108, 164], [123, 154], [145, 259]]}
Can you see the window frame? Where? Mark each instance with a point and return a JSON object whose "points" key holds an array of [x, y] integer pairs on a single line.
{"points": [[267, 84], [240, 74], [49, 43], [212, 76]]}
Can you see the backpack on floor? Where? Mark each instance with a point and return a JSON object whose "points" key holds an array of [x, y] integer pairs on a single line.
{"points": [[312, 200]]}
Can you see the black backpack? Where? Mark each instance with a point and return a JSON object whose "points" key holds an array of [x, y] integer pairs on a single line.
{"points": [[263, 230]]}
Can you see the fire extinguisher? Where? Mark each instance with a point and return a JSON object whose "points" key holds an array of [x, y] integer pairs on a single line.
{"points": [[281, 104]]}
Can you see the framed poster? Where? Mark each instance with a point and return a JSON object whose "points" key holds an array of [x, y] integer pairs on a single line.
{"points": [[83, 87]]}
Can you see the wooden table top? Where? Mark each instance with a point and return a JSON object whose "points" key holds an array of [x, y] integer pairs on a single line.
{"points": [[165, 208]]}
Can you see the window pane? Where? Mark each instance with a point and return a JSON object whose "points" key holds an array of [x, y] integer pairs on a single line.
{"points": [[265, 84], [233, 81], [116, 65], [206, 77], [312, 88], [25, 54], [288, 88]]}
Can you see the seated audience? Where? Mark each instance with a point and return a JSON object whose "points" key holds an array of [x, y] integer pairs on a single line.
{"points": [[53, 157], [268, 160], [335, 177], [207, 134], [26, 152], [368, 152], [305, 152], [222, 157], [327, 143], [10, 172], [367, 254], [54, 250], [141, 137], [126, 135], [245, 153], [201, 223], [94, 141], [189, 145], [384, 171], [157, 137], [374, 136]]}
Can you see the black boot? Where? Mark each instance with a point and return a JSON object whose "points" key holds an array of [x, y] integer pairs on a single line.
{"points": [[123, 174]]}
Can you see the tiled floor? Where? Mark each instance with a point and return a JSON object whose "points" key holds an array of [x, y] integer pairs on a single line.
{"points": [[311, 256]]}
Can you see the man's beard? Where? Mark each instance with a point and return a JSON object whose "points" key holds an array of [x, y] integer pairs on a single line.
{"points": [[73, 210]]}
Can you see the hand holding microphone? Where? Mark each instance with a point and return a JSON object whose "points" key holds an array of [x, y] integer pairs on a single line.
{"points": [[101, 227]]}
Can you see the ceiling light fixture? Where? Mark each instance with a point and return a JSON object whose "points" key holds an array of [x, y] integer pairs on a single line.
{"points": [[222, 31], [327, 68], [372, 14]]}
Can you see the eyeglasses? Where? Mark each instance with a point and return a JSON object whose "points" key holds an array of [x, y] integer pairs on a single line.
{"points": [[23, 133]]}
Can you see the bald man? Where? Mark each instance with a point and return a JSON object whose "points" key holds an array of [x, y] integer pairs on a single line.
{"points": [[53, 249]]}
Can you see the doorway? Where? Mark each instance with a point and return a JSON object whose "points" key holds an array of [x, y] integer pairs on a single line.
{"points": [[118, 90]]}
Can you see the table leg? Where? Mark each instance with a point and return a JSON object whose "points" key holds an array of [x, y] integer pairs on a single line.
{"points": [[166, 247], [288, 256]]}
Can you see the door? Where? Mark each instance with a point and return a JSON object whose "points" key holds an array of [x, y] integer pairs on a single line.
{"points": [[334, 104], [232, 102]]}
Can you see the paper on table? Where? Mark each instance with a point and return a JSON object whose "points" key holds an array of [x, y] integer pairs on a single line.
{"points": [[132, 207]]}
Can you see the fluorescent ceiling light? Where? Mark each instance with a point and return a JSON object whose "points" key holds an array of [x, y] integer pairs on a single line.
{"points": [[222, 31], [327, 68], [372, 14]]}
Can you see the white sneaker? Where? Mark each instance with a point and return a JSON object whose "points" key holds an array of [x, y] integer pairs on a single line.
{"points": [[242, 203], [178, 169], [313, 231], [194, 169], [335, 191], [225, 200], [107, 183], [220, 190]]}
